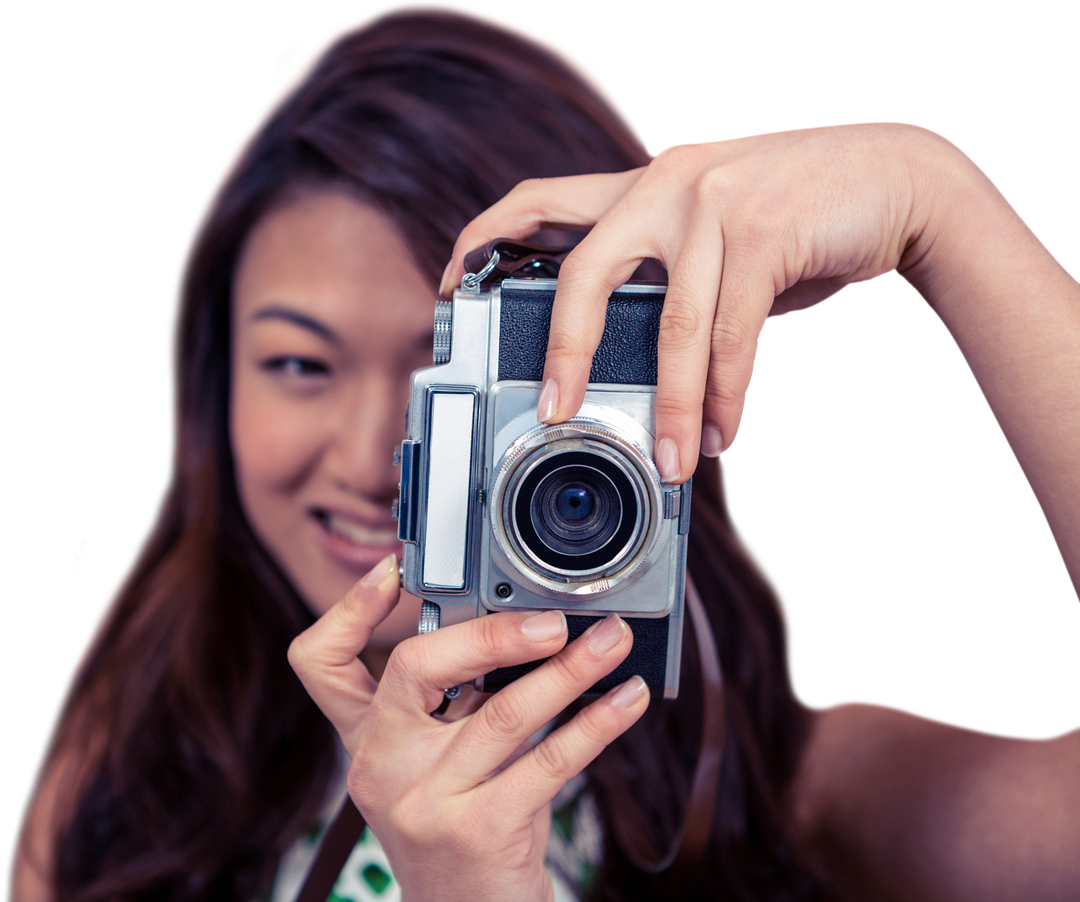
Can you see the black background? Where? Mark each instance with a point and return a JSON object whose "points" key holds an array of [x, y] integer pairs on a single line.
{"points": [[929, 579]]}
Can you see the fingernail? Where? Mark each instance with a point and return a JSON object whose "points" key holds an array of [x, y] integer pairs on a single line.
{"points": [[667, 460], [544, 626], [380, 571], [629, 692], [443, 287], [549, 398], [711, 442], [605, 635]]}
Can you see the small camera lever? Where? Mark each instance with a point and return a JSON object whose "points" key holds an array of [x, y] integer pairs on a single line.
{"points": [[430, 616]]}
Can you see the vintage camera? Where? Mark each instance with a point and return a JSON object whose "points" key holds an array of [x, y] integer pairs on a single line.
{"points": [[499, 512]]}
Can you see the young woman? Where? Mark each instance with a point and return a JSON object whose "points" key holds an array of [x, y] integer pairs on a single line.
{"points": [[189, 761]]}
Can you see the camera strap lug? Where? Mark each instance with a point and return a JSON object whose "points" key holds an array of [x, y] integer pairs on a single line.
{"points": [[504, 257]]}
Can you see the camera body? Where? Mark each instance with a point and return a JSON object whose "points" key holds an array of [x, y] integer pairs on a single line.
{"points": [[500, 512]]}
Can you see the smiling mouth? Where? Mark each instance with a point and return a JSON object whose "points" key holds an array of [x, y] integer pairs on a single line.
{"points": [[355, 532]]}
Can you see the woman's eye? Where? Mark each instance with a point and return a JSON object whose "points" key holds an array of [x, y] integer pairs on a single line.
{"points": [[304, 367]]}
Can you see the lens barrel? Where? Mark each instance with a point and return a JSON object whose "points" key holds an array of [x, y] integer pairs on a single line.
{"points": [[576, 508], [576, 511]]}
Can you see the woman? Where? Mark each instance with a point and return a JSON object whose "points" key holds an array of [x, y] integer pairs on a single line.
{"points": [[188, 759], [216, 761]]}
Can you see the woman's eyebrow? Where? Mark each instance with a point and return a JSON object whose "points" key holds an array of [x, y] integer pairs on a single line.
{"points": [[297, 319]]}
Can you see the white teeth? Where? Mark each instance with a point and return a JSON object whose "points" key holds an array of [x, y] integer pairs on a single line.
{"points": [[361, 535]]}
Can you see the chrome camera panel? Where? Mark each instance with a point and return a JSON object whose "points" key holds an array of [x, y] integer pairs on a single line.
{"points": [[500, 512]]}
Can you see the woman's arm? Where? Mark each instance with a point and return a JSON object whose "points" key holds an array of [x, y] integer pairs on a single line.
{"points": [[778, 222], [1015, 313], [895, 807]]}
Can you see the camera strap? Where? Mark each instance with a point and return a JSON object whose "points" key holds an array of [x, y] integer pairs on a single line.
{"points": [[690, 842], [502, 257], [337, 844]]}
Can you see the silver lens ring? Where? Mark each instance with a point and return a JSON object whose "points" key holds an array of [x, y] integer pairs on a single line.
{"points": [[544, 449]]}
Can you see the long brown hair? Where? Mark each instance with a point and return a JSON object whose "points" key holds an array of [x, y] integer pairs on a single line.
{"points": [[192, 757], [751, 854]]}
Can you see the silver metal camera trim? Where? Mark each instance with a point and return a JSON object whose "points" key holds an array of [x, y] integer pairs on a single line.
{"points": [[506, 410], [584, 433]]}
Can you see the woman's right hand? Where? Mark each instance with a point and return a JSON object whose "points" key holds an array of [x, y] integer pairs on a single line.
{"points": [[459, 816]]}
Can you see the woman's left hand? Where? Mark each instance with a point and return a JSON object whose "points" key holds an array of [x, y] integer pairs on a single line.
{"points": [[746, 228], [461, 807]]}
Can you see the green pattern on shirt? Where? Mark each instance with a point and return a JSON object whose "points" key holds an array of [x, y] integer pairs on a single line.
{"points": [[574, 851]]}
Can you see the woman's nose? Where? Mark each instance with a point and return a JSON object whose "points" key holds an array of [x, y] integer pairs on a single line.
{"points": [[371, 424]]}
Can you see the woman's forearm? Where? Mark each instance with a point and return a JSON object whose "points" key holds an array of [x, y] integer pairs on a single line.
{"points": [[1015, 314]]}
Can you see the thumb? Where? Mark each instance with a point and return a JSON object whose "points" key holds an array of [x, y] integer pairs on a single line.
{"points": [[325, 655]]}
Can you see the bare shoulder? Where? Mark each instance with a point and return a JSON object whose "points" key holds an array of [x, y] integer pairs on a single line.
{"points": [[30, 866], [897, 807], [31, 877]]}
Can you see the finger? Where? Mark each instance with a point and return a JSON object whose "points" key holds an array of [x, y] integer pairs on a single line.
{"points": [[512, 715], [533, 780], [324, 656], [572, 202], [747, 291], [684, 344], [420, 668], [602, 262]]}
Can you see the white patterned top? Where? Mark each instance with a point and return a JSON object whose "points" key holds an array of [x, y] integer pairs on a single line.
{"points": [[573, 855]]}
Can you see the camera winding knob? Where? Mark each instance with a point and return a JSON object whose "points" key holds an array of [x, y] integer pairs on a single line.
{"points": [[444, 319]]}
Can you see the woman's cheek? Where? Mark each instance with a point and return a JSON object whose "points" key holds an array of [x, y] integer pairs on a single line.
{"points": [[275, 439]]}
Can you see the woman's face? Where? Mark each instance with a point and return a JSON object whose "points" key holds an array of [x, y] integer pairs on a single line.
{"points": [[330, 316]]}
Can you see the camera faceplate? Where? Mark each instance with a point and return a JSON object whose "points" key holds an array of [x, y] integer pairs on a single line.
{"points": [[615, 441], [476, 407], [623, 414]]}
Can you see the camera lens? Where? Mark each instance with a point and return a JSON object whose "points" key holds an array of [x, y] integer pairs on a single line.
{"points": [[574, 503], [576, 511]]}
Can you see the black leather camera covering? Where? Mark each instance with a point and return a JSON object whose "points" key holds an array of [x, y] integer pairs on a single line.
{"points": [[626, 356], [627, 352], [647, 659]]}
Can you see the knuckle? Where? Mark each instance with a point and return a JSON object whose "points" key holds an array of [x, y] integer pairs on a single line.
{"points": [[552, 757], [731, 338], [720, 395], [405, 660], [680, 324], [589, 271], [713, 188], [592, 727], [716, 398], [362, 777], [528, 186], [561, 348], [673, 406], [576, 270], [570, 669], [490, 637], [533, 195], [299, 658], [567, 362], [410, 817], [675, 159], [503, 716]]}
